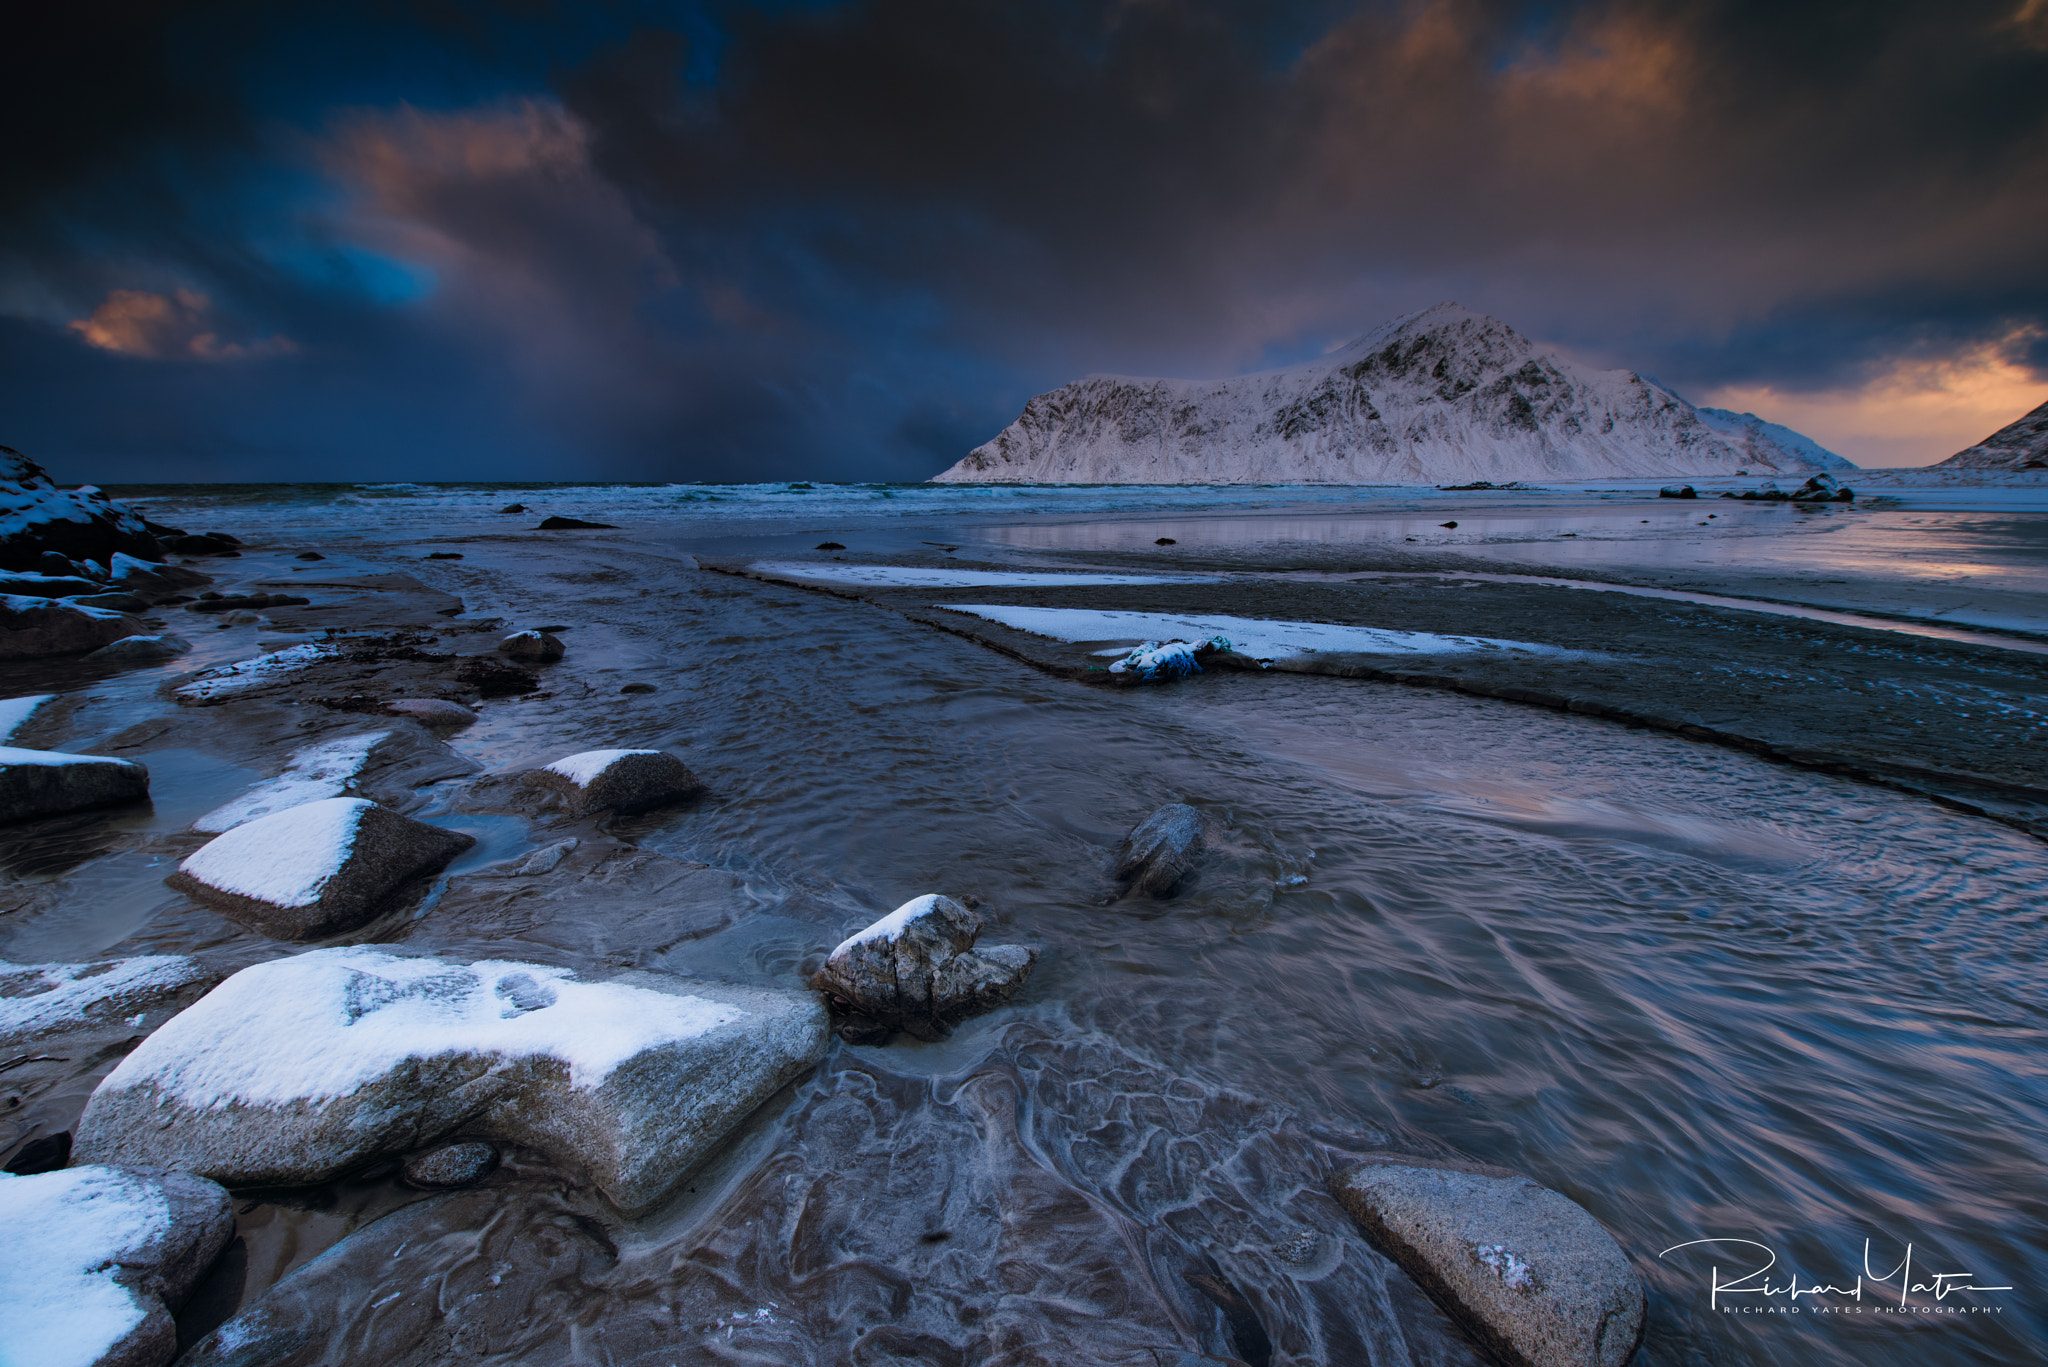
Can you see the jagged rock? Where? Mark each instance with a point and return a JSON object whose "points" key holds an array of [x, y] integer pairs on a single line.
{"points": [[315, 869], [142, 650], [1160, 850], [98, 1258], [618, 780], [917, 967], [539, 647], [38, 519], [34, 627], [299, 1069], [462, 1164], [1526, 1272], [432, 711], [39, 1000], [38, 783]]}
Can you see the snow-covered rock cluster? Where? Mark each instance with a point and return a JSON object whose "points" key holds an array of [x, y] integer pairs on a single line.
{"points": [[37, 517], [1441, 395]]}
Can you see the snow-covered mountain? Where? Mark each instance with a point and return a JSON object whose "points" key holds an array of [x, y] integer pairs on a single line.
{"points": [[2021, 445], [1770, 440], [1440, 396]]}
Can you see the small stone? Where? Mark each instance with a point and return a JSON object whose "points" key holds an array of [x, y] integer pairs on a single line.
{"points": [[638, 688], [432, 711], [513, 508], [1161, 850], [452, 1165], [1447, 524], [617, 780], [539, 647], [444, 555], [1166, 541], [828, 546], [38, 783], [142, 649], [309, 555], [917, 966]]}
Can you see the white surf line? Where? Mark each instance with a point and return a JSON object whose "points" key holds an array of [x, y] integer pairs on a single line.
{"points": [[908, 577], [1908, 627], [15, 712], [1263, 640]]}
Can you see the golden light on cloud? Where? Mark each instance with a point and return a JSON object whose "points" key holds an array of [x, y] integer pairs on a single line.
{"points": [[168, 326], [1916, 413]]}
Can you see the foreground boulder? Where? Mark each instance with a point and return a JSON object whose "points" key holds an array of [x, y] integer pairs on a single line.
{"points": [[40, 1000], [31, 628], [1526, 1272], [917, 968], [98, 1258], [615, 780], [38, 783], [297, 1070], [316, 869], [1160, 850]]}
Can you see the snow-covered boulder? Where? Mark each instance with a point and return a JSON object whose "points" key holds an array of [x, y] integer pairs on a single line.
{"points": [[431, 711], [31, 628], [142, 650], [37, 783], [96, 1260], [314, 772], [38, 518], [38, 1000], [617, 780], [316, 869], [534, 647], [294, 1071], [1526, 1271], [917, 967], [1160, 850]]}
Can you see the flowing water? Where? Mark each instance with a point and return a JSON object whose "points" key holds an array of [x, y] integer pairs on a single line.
{"points": [[1703, 996]]}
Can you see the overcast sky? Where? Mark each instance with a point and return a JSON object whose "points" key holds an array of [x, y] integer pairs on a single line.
{"points": [[725, 241]]}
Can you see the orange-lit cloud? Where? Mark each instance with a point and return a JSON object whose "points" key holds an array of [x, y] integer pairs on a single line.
{"points": [[174, 326], [1915, 412]]}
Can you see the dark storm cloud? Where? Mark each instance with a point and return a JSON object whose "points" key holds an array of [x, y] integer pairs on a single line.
{"points": [[848, 239]]}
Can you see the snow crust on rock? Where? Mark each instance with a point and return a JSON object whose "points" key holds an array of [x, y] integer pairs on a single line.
{"points": [[324, 1023], [18, 602], [890, 927], [51, 759], [66, 1233], [243, 675], [1262, 640], [582, 769], [1440, 396], [15, 712], [905, 576], [61, 993], [286, 858], [315, 772]]}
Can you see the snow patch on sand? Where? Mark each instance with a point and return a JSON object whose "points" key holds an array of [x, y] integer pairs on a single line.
{"points": [[325, 1023], [907, 577], [316, 772], [15, 712], [1248, 636], [67, 1232], [285, 859]]}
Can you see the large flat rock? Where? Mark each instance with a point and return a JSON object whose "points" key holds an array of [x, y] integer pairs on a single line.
{"points": [[38, 783], [295, 1071]]}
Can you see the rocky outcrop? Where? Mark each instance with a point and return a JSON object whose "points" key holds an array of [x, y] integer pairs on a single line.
{"points": [[99, 1257], [1160, 850], [316, 869], [917, 969], [294, 1071], [41, 1000], [31, 628], [39, 783], [1436, 396], [2019, 446], [1526, 1272], [615, 780], [37, 518]]}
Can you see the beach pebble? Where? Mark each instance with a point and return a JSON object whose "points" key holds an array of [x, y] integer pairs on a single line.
{"points": [[451, 1165], [616, 780], [98, 1258], [316, 869], [39, 1000], [513, 508], [31, 628], [432, 711], [828, 546], [297, 1070], [37, 783], [537, 646], [142, 649], [637, 688], [1526, 1272], [918, 966], [1160, 850], [309, 555]]}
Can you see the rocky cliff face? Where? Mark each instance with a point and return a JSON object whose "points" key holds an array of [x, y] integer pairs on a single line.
{"points": [[2021, 446], [1439, 396]]}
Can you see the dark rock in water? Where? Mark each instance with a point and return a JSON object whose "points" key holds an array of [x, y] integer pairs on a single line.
{"points": [[1530, 1275], [556, 524], [540, 647], [46, 1154], [513, 508], [444, 555], [452, 1165], [917, 968], [495, 680], [1678, 491], [1166, 541], [316, 869], [37, 783], [1447, 524], [1161, 850], [142, 650], [616, 780], [637, 688], [309, 555], [83, 1241], [34, 627], [828, 546]]}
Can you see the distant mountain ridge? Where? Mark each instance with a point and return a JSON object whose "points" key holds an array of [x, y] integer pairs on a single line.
{"points": [[1437, 396], [2019, 445]]}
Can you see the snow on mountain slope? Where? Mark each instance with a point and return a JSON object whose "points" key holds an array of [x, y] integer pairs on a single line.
{"points": [[1445, 395], [2020, 445], [1769, 439]]}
